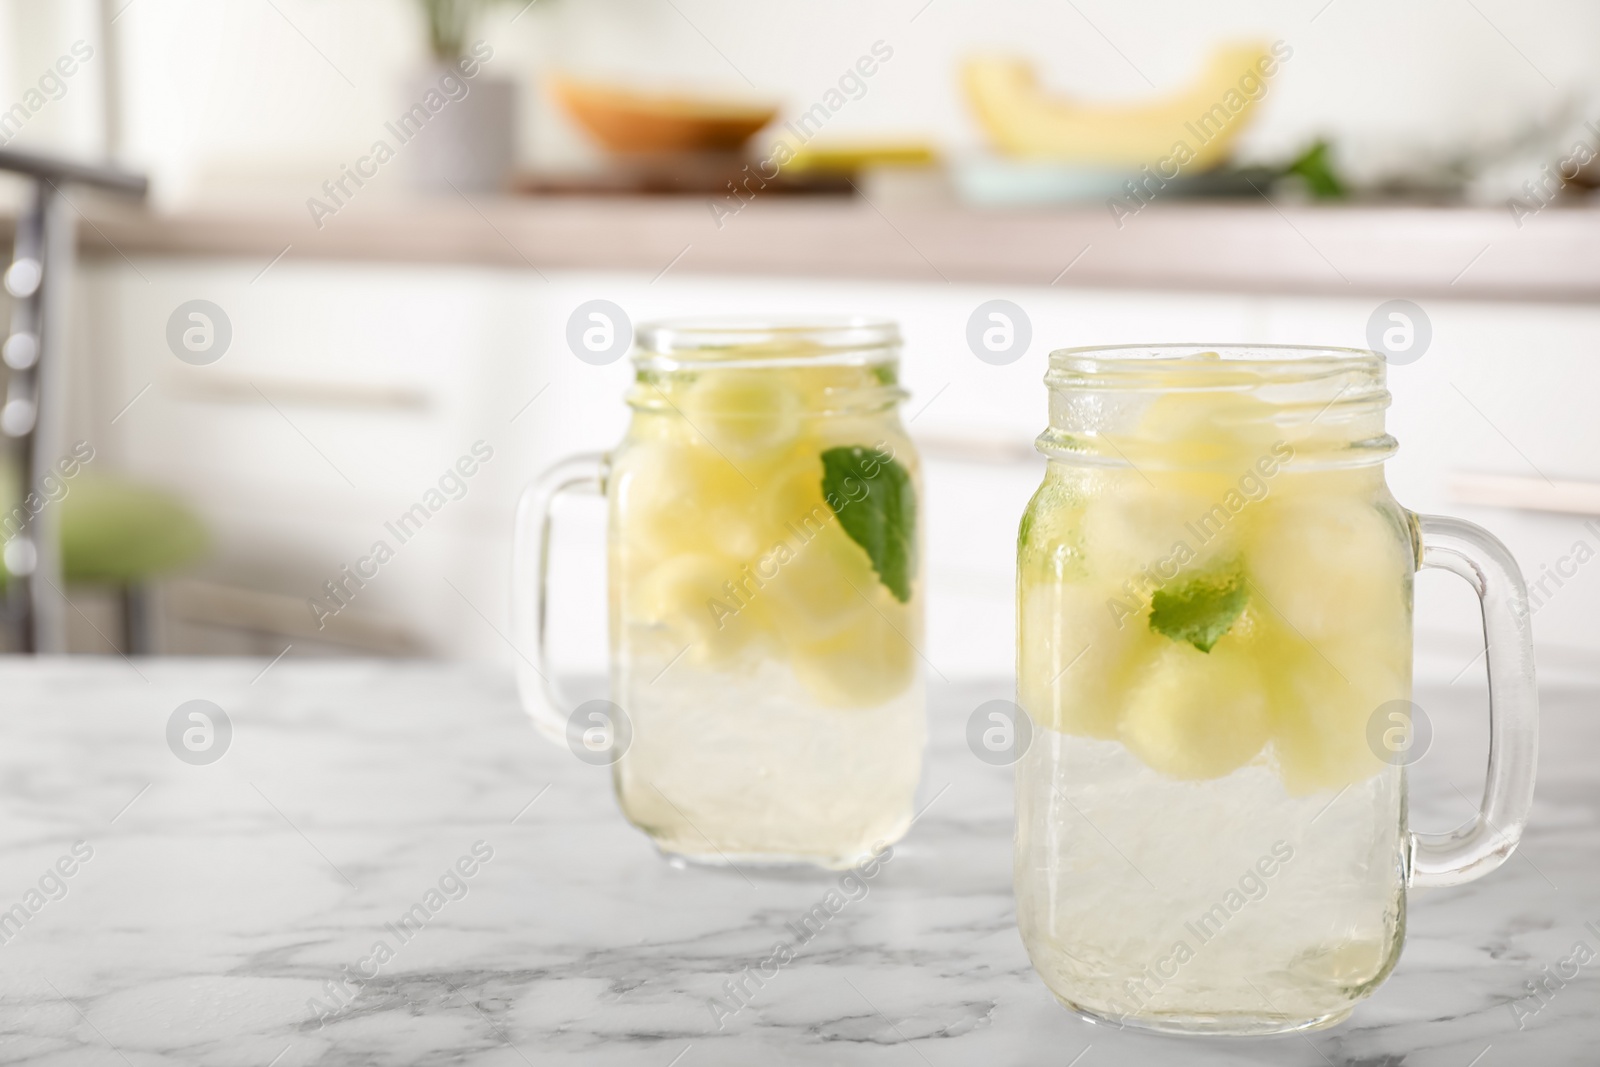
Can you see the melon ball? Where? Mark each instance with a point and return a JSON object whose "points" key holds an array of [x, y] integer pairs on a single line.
{"points": [[1194, 715], [686, 597], [1324, 699], [822, 586], [1331, 565], [744, 414], [1076, 655], [864, 665]]}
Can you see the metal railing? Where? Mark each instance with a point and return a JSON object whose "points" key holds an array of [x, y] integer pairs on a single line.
{"points": [[38, 280]]}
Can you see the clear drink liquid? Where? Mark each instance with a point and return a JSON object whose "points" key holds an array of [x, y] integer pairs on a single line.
{"points": [[1227, 905], [731, 768]]}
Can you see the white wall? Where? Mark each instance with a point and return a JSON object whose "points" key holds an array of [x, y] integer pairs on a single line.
{"points": [[33, 38], [222, 95]]}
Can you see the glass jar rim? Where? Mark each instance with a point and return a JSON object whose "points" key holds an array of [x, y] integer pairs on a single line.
{"points": [[1337, 395], [1258, 363], [748, 342]]}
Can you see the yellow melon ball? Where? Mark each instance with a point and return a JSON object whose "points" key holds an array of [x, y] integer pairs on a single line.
{"points": [[675, 497], [1330, 565], [1076, 656], [871, 432], [823, 586], [686, 597], [744, 413], [1356, 483], [864, 665], [734, 528], [1194, 715], [1224, 428], [791, 502], [1136, 528], [826, 388], [1324, 699]]}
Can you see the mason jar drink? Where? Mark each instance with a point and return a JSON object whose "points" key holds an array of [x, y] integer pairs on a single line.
{"points": [[1214, 647], [765, 594]]}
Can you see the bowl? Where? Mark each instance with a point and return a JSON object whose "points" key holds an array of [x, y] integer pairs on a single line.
{"points": [[632, 121]]}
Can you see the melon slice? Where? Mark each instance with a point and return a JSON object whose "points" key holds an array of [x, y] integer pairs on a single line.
{"points": [[1207, 116]]}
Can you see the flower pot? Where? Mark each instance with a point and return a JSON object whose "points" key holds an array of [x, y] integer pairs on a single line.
{"points": [[458, 132]]}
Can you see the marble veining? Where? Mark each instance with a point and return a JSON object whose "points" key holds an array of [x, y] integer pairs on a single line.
{"points": [[222, 904]]}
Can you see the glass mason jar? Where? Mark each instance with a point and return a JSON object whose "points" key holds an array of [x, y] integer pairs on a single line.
{"points": [[1214, 648], [765, 594]]}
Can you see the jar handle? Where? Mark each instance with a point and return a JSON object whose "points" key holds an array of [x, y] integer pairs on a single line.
{"points": [[1474, 850], [530, 569]]}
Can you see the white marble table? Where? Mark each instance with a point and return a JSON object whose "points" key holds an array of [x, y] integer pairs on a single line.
{"points": [[220, 899]]}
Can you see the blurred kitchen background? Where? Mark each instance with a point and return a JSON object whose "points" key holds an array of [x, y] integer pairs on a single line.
{"points": [[378, 325]]}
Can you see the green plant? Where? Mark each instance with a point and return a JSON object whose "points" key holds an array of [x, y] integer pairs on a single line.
{"points": [[1315, 167], [449, 22]]}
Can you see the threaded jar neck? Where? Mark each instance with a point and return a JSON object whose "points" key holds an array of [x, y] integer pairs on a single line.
{"points": [[1195, 406], [830, 365]]}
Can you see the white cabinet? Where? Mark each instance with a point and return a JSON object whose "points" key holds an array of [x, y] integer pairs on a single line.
{"points": [[349, 389]]}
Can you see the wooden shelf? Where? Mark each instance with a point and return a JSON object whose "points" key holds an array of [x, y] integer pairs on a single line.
{"points": [[1417, 252]]}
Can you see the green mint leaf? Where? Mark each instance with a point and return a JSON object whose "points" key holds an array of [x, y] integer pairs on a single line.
{"points": [[877, 506], [1199, 610]]}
